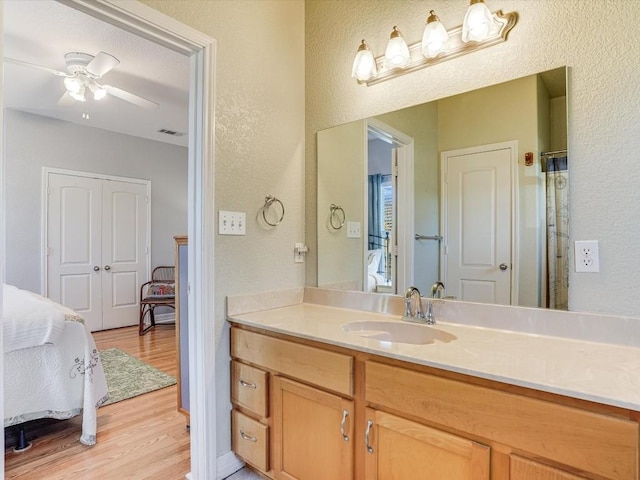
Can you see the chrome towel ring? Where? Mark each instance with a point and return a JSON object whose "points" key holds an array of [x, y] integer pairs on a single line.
{"points": [[336, 217], [268, 201]]}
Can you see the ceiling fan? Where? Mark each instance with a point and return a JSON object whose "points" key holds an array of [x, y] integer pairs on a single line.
{"points": [[80, 79]]}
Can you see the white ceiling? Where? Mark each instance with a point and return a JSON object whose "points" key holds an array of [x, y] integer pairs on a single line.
{"points": [[43, 31]]}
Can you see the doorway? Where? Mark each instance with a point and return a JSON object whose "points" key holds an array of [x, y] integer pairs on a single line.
{"points": [[389, 192], [163, 30]]}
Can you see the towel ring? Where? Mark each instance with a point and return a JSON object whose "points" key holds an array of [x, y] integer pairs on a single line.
{"points": [[334, 217], [268, 201]]}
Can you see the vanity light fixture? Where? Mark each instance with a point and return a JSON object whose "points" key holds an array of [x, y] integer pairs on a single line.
{"points": [[478, 22], [364, 65], [397, 53], [480, 29], [435, 37]]}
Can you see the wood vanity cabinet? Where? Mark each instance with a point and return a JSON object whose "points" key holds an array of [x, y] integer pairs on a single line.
{"points": [[293, 413], [326, 412]]}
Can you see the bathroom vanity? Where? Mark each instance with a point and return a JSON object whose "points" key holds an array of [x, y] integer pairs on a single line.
{"points": [[320, 392]]}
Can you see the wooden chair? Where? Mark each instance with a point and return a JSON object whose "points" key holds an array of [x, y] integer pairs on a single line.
{"points": [[158, 292]]}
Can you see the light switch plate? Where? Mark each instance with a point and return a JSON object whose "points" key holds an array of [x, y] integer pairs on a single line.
{"points": [[353, 229], [232, 223]]}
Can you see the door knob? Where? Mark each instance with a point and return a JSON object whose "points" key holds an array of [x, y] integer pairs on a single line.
{"points": [[503, 266], [96, 268], [107, 267]]}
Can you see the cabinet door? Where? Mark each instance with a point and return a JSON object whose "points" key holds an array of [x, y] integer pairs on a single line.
{"points": [[313, 433], [523, 469], [399, 449]]}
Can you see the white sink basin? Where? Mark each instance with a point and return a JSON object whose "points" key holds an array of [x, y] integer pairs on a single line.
{"points": [[398, 332]]}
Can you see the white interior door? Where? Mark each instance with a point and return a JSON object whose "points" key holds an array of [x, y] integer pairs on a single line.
{"points": [[124, 251], [74, 254], [477, 222], [97, 247]]}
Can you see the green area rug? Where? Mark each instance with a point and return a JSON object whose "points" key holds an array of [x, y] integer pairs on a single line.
{"points": [[129, 377]]}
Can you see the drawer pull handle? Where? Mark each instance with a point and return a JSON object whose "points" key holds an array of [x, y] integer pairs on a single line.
{"points": [[247, 385], [248, 437], [345, 414], [366, 436]]}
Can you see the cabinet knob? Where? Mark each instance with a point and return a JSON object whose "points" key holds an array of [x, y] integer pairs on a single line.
{"points": [[96, 268], [503, 266], [366, 436], [345, 414], [107, 267]]}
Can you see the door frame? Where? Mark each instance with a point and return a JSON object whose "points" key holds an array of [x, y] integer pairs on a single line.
{"points": [[201, 49], [512, 145], [403, 217], [44, 215]]}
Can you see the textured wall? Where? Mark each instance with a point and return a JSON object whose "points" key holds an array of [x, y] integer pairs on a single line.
{"points": [[603, 106], [33, 142], [259, 150]]}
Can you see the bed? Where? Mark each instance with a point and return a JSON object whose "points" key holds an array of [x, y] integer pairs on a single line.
{"points": [[52, 368]]}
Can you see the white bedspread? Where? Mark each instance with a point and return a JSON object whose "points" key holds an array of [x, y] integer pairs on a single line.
{"points": [[29, 319]]}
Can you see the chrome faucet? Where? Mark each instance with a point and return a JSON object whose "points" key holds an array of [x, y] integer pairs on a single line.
{"points": [[436, 288], [409, 294]]}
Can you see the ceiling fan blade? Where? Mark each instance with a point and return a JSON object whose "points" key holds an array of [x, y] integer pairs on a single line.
{"points": [[66, 100], [33, 65], [101, 64], [130, 97]]}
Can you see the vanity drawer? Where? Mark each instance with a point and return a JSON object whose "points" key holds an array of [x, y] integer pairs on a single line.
{"points": [[249, 388], [250, 440], [589, 441], [330, 370]]}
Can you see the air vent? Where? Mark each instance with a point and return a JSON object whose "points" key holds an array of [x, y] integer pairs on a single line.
{"points": [[171, 132]]}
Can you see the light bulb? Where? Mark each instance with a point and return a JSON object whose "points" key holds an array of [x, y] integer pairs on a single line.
{"points": [[79, 96], [72, 84], [397, 53], [435, 38], [478, 22], [98, 92], [364, 65]]}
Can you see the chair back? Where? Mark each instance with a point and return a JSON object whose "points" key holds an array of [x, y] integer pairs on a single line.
{"points": [[163, 273]]}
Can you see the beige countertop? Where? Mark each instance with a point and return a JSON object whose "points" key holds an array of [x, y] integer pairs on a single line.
{"points": [[599, 372]]}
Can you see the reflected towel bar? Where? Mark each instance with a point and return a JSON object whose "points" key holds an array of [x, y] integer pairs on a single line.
{"points": [[428, 237]]}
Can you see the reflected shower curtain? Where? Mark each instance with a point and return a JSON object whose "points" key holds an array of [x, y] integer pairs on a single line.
{"points": [[375, 211], [557, 187]]}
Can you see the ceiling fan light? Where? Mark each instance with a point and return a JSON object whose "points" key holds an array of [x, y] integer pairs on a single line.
{"points": [[98, 92], [435, 38], [72, 84], [79, 96], [478, 22], [397, 52]]}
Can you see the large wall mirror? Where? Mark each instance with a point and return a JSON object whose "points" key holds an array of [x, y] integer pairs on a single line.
{"points": [[471, 190]]}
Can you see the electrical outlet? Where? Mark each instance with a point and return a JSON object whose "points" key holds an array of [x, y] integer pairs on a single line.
{"points": [[232, 223], [299, 251], [353, 229], [587, 258]]}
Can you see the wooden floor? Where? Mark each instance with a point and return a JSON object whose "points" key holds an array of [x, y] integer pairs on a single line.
{"points": [[140, 438]]}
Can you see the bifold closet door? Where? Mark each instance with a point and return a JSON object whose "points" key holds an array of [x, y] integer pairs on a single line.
{"points": [[96, 247]]}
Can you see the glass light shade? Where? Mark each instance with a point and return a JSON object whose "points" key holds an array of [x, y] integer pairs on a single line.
{"points": [[397, 53], [478, 22], [364, 65], [72, 84], [435, 37], [98, 92], [79, 96]]}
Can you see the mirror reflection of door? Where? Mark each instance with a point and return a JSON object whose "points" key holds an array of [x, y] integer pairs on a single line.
{"points": [[477, 222]]}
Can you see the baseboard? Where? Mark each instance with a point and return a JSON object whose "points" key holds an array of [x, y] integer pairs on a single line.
{"points": [[228, 464]]}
